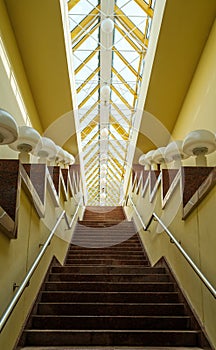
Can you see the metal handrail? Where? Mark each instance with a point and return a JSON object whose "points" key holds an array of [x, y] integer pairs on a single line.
{"points": [[69, 224], [27, 278], [178, 245]]}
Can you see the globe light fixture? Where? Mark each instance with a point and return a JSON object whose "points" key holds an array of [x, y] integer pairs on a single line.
{"points": [[69, 158], [199, 143], [103, 156], [104, 132], [103, 173], [103, 181], [47, 150], [107, 25], [104, 166], [143, 161], [174, 152], [103, 195], [8, 128], [29, 141], [150, 161], [159, 157], [60, 156], [105, 92]]}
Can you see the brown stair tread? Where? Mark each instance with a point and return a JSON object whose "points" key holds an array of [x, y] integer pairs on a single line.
{"points": [[111, 337]]}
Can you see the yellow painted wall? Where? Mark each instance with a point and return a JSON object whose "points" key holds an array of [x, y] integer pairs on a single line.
{"points": [[17, 256], [197, 232], [198, 110], [7, 99]]}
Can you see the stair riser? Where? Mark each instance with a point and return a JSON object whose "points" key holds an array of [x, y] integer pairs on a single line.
{"points": [[106, 262], [109, 278], [109, 338], [98, 244], [114, 245], [107, 255], [109, 297], [109, 309], [106, 236], [121, 323], [123, 270], [114, 249], [116, 230], [104, 287]]}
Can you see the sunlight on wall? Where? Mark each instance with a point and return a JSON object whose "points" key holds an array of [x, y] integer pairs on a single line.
{"points": [[14, 84]]}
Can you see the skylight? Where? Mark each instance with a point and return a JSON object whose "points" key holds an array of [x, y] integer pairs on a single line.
{"points": [[112, 58]]}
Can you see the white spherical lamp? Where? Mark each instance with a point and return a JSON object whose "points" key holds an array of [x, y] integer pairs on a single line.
{"points": [[103, 173], [8, 128], [103, 156], [104, 132], [149, 159], [199, 143], [47, 151], [69, 158], [60, 156], [107, 25], [103, 195], [105, 92], [174, 152], [143, 161], [104, 166], [29, 141], [159, 155], [103, 181]]}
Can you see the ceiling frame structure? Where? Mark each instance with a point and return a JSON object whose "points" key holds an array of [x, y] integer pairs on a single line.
{"points": [[115, 59]]}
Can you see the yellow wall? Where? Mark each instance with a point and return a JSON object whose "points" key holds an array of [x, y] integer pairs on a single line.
{"points": [[7, 99], [17, 256], [198, 110], [197, 232]]}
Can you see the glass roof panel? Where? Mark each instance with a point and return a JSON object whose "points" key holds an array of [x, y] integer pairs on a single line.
{"points": [[80, 11], [121, 70], [132, 10], [119, 65]]}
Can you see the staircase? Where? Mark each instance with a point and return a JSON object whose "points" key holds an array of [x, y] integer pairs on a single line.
{"points": [[109, 295]]}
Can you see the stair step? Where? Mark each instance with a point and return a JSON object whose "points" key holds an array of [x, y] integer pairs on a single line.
{"points": [[106, 261], [95, 254], [108, 278], [131, 309], [111, 287], [108, 297], [111, 322], [111, 251], [114, 224], [106, 256], [132, 270], [120, 241], [43, 337], [104, 244], [114, 248]]}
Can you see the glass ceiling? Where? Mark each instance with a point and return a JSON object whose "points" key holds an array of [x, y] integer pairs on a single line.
{"points": [[109, 41]]}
